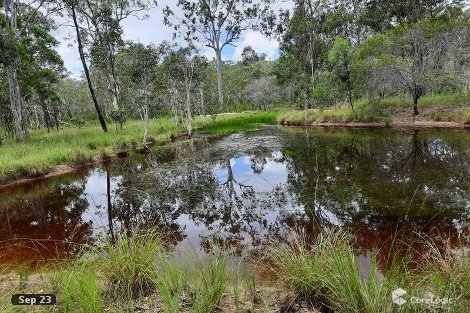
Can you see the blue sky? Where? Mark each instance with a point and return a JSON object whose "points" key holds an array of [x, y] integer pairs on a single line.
{"points": [[152, 30]]}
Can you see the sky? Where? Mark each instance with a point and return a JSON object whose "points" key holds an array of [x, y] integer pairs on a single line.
{"points": [[153, 30]]}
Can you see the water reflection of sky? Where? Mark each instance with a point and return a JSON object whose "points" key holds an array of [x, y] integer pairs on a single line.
{"points": [[273, 174]]}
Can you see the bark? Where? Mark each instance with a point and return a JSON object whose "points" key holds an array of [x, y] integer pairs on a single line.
{"points": [[15, 105], [146, 121], [219, 77], [47, 116], [87, 73], [304, 94], [201, 94], [111, 73], [416, 93], [350, 96], [189, 123], [415, 104]]}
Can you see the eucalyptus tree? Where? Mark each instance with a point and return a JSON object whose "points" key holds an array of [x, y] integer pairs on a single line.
{"points": [[138, 64], [103, 33], [216, 24], [416, 55], [185, 70], [28, 56], [341, 58], [15, 21], [72, 6]]}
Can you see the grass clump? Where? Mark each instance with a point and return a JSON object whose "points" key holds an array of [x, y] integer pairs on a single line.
{"points": [[209, 280], [326, 271], [77, 288], [129, 264], [446, 273], [170, 281]]}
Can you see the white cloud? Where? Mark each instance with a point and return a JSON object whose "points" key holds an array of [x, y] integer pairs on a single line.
{"points": [[259, 43]]}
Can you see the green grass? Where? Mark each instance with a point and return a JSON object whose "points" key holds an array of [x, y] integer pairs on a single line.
{"points": [[239, 122], [326, 271], [76, 146], [77, 288], [443, 100], [210, 280], [363, 112], [130, 264], [453, 107]]}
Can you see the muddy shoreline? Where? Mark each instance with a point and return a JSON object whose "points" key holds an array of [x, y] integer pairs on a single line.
{"points": [[371, 125]]}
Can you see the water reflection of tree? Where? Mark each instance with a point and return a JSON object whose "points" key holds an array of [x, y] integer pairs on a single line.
{"points": [[232, 211], [44, 226], [383, 186]]}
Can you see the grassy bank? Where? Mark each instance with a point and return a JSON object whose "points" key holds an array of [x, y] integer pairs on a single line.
{"points": [[76, 146], [141, 274], [389, 111]]}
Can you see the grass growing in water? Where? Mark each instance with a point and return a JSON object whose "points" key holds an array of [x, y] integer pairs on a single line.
{"points": [[326, 272]]}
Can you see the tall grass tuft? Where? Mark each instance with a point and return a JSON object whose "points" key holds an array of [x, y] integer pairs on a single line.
{"points": [[209, 281], [170, 281], [446, 273], [77, 288], [130, 264], [326, 271]]}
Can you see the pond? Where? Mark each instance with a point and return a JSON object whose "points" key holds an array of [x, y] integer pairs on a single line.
{"points": [[244, 190]]}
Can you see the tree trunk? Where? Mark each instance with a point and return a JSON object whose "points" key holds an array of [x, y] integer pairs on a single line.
{"points": [[218, 54], [146, 124], [350, 96], [415, 103], [15, 105], [189, 123], [304, 94], [201, 94], [111, 72], [87, 73], [47, 116]]}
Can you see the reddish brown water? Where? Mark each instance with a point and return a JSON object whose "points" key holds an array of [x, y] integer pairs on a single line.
{"points": [[242, 191]]}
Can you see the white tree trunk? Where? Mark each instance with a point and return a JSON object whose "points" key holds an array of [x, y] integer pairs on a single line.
{"points": [[146, 123], [189, 122], [218, 54], [15, 102]]}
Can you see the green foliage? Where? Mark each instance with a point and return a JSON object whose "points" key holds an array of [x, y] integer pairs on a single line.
{"points": [[119, 116]]}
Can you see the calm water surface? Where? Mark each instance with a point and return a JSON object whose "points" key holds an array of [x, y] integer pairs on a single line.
{"points": [[243, 190]]}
